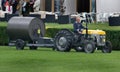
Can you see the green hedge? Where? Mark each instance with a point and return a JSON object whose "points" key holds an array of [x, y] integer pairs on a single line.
{"points": [[113, 36], [3, 36]]}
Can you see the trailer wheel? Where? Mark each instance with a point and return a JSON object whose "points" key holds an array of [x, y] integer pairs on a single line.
{"points": [[20, 44], [63, 40], [107, 48], [89, 47], [33, 47]]}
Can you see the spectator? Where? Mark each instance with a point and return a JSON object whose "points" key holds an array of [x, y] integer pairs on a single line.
{"points": [[14, 5], [8, 7], [37, 6], [25, 8], [3, 5], [31, 5], [19, 6]]}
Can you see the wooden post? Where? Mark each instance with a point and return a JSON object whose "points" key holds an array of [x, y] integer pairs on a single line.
{"points": [[90, 6], [42, 5], [52, 7]]}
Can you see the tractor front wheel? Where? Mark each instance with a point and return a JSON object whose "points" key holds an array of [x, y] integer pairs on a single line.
{"points": [[107, 48], [89, 47]]}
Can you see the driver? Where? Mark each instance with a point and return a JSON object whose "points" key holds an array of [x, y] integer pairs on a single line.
{"points": [[78, 27]]}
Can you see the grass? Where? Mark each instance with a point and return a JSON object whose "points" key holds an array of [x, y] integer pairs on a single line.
{"points": [[46, 60], [3, 24]]}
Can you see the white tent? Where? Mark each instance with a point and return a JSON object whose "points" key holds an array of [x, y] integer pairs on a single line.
{"points": [[70, 6], [106, 7]]}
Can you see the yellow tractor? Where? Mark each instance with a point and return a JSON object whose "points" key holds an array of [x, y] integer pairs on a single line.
{"points": [[88, 41]]}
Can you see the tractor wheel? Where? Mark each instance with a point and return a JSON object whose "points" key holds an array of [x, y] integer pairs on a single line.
{"points": [[63, 40], [79, 49], [89, 47], [33, 47], [107, 48], [20, 44]]}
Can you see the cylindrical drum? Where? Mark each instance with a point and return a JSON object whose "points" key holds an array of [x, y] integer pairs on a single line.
{"points": [[25, 28]]}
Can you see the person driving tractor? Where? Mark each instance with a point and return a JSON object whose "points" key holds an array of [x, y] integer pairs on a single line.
{"points": [[78, 27]]}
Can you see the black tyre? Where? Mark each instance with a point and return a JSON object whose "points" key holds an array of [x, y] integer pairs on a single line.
{"points": [[107, 48], [79, 49], [20, 44], [89, 47], [33, 47], [63, 40]]}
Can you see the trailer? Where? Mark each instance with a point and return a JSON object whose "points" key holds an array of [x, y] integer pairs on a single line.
{"points": [[27, 31]]}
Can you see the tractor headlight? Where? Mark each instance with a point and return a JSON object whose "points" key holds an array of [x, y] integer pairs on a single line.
{"points": [[103, 38]]}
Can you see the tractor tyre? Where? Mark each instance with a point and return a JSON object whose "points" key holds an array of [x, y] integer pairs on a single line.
{"points": [[89, 47], [63, 40], [107, 48], [19, 44]]}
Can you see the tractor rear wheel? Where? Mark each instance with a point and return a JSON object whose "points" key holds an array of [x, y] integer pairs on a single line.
{"points": [[89, 47], [63, 40], [107, 48], [20, 44]]}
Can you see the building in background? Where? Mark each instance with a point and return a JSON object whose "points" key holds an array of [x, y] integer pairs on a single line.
{"points": [[82, 5], [107, 6], [71, 5]]}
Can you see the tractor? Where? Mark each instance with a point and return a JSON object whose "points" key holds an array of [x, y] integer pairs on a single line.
{"points": [[88, 41]]}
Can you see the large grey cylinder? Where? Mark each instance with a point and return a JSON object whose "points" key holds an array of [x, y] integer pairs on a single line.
{"points": [[25, 28]]}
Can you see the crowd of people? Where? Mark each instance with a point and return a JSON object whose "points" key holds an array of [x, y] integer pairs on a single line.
{"points": [[22, 7]]}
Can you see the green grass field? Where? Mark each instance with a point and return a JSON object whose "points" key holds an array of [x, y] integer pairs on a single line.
{"points": [[46, 60]]}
